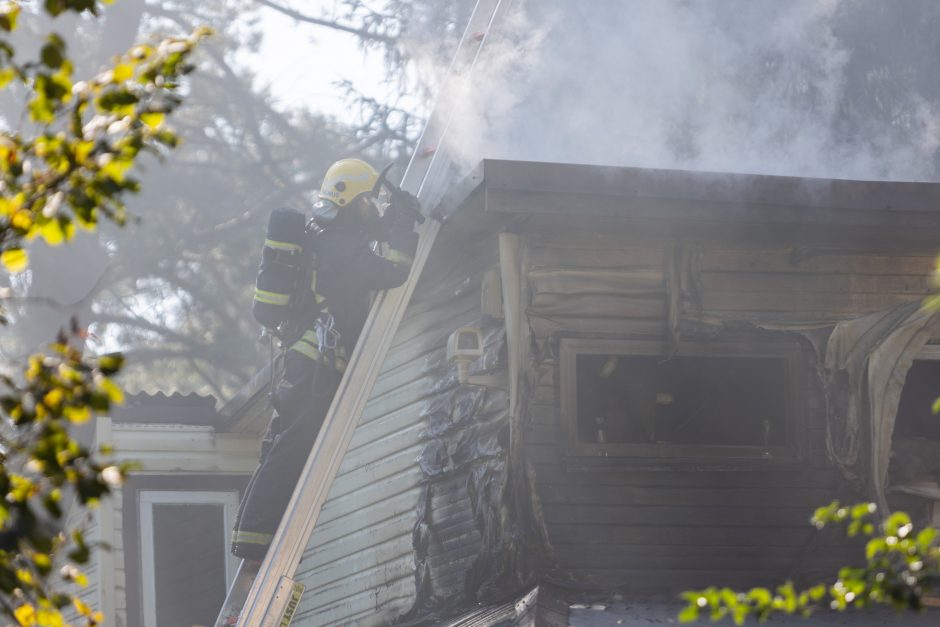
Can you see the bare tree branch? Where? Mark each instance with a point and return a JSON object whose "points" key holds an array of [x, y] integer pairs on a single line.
{"points": [[216, 390], [364, 34]]}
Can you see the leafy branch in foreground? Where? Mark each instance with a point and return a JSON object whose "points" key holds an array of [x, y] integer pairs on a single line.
{"points": [[902, 564], [68, 168], [73, 170], [41, 466]]}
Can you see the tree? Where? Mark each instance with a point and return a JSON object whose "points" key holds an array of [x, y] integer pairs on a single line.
{"points": [[175, 296], [68, 167], [902, 564]]}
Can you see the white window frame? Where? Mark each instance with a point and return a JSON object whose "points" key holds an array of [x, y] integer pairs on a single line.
{"points": [[149, 498]]}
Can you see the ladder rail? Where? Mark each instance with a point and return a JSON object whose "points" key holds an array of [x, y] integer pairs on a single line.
{"points": [[427, 177]]}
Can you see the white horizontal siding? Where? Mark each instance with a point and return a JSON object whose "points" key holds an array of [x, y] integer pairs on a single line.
{"points": [[102, 530], [359, 565]]}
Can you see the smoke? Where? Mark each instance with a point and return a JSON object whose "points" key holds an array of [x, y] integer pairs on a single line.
{"points": [[804, 87]]}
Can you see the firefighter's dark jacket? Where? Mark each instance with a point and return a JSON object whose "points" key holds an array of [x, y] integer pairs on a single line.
{"points": [[348, 272]]}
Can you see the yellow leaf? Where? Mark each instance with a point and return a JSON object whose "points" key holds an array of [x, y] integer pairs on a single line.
{"points": [[81, 607], [52, 232], [50, 618], [112, 390], [25, 615], [6, 75], [42, 560], [116, 169], [153, 120], [122, 72], [24, 576], [53, 398], [77, 415], [14, 260], [82, 150], [21, 220]]}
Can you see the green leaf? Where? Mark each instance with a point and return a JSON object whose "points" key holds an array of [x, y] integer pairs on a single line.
{"points": [[116, 99], [53, 52], [862, 509], [111, 363], [689, 614], [760, 596], [55, 7], [925, 537], [932, 303], [895, 522], [14, 260], [874, 547], [41, 109], [8, 16]]}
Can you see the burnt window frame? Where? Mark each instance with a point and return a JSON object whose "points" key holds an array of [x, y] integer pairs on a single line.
{"points": [[665, 453]]}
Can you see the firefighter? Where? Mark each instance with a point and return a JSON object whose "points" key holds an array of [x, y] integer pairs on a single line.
{"points": [[347, 272]]}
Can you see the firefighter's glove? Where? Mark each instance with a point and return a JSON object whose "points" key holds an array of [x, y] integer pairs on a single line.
{"points": [[404, 210]]}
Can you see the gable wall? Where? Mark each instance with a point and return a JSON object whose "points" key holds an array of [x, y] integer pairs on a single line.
{"points": [[658, 530]]}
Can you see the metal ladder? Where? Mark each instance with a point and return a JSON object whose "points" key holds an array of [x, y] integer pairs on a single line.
{"points": [[237, 593], [272, 595]]}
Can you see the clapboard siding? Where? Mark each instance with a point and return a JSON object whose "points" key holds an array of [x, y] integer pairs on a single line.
{"points": [[359, 566], [117, 553], [103, 529], [663, 530], [788, 283]]}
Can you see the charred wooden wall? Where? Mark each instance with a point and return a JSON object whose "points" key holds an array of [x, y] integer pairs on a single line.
{"points": [[613, 525]]}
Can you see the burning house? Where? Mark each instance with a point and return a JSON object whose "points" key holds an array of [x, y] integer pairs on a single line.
{"points": [[619, 383], [609, 385], [600, 386]]}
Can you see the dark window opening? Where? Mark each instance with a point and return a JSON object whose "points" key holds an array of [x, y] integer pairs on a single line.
{"points": [[189, 554], [686, 400], [915, 415]]}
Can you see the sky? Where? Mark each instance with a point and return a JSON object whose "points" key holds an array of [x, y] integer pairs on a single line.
{"points": [[310, 60]]}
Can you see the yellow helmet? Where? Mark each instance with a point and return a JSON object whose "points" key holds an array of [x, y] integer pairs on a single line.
{"points": [[346, 180]]}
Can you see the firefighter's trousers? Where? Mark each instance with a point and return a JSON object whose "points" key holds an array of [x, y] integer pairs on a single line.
{"points": [[284, 452]]}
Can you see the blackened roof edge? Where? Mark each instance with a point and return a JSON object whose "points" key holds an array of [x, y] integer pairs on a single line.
{"points": [[712, 187]]}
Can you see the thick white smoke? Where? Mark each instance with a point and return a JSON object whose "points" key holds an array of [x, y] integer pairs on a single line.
{"points": [[727, 85]]}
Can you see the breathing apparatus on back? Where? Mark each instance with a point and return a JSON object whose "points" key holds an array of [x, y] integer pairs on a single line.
{"points": [[286, 298], [285, 287]]}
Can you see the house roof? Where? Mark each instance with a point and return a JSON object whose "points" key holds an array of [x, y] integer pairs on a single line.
{"points": [[832, 210], [161, 408], [727, 188]]}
